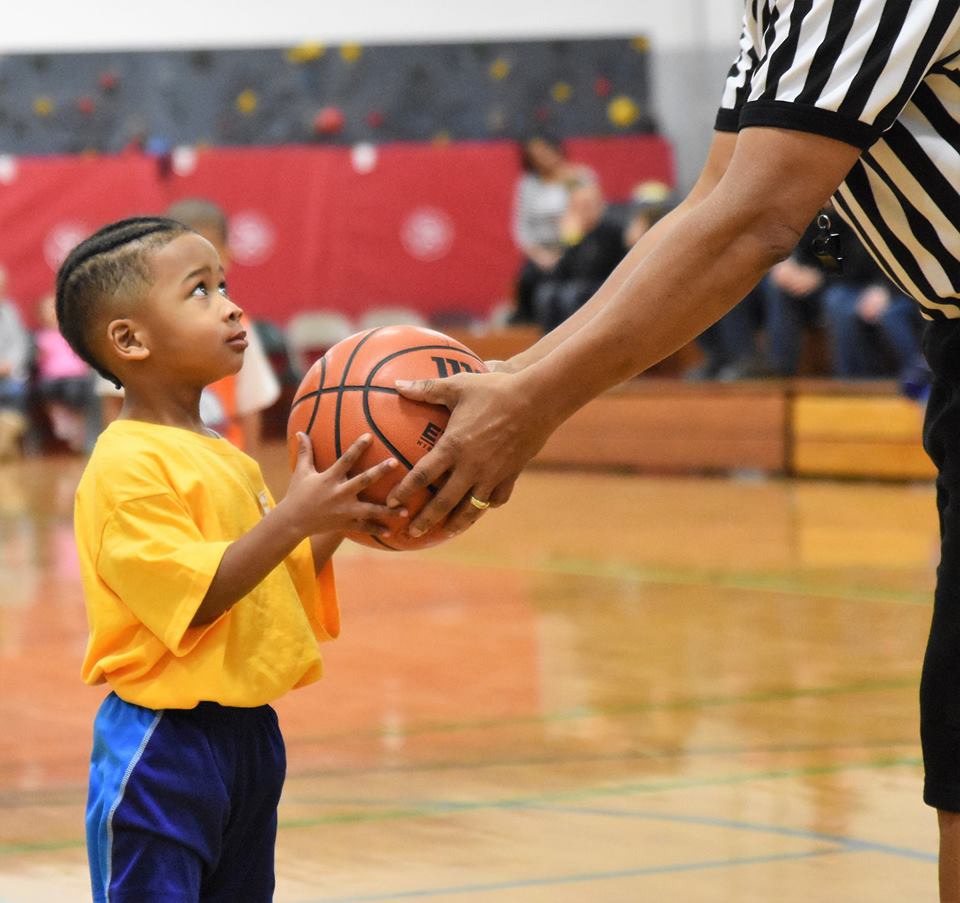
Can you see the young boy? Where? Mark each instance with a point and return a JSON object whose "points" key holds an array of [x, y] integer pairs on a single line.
{"points": [[232, 405], [205, 600]]}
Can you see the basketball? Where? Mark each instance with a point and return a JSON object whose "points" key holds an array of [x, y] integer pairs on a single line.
{"points": [[351, 391]]}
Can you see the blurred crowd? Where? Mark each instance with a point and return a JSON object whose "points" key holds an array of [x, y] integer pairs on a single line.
{"points": [[50, 398], [571, 240]]}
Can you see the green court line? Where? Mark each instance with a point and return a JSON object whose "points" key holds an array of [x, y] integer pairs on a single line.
{"points": [[682, 704], [582, 878], [630, 755], [744, 581], [442, 808]]}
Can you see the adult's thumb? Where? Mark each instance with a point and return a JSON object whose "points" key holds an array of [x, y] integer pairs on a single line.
{"points": [[433, 391]]}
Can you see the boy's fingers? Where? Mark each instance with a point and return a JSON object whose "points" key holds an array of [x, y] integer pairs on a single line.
{"points": [[304, 452], [380, 513], [353, 454], [375, 519], [370, 476], [371, 527]]}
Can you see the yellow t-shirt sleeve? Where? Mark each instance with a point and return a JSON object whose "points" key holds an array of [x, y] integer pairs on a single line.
{"points": [[317, 592], [154, 558], [328, 608]]}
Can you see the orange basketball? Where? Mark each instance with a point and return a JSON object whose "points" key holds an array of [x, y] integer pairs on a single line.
{"points": [[351, 391]]}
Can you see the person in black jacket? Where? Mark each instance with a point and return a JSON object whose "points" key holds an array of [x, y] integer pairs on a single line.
{"points": [[594, 247]]}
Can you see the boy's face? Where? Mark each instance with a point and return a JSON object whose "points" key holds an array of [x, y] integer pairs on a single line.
{"points": [[187, 323]]}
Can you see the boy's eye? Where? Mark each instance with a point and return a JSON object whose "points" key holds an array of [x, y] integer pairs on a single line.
{"points": [[199, 289], [222, 288]]}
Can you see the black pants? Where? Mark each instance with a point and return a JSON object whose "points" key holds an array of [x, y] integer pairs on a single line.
{"points": [[940, 684], [528, 279]]}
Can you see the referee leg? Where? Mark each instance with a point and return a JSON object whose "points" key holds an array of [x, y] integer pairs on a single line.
{"points": [[940, 683]]}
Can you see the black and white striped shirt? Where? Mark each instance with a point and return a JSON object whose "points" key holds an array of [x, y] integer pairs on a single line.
{"points": [[884, 76]]}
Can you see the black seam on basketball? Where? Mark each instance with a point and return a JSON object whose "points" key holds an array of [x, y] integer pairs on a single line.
{"points": [[366, 404], [382, 390], [396, 354], [368, 416], [386, 545], [343, 381], [373, 425], [316, 404], [329, 390]]}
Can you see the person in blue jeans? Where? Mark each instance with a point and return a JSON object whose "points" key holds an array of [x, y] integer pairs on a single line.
{"points": [[868, 324], [791, 297], [873, 327]]}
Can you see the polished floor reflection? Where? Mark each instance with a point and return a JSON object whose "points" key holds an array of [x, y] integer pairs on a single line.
{"points": [[615, 689]]}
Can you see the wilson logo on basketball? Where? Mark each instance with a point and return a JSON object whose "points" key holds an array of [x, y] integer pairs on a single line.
{"points": [[428, 438], [448, 366]]}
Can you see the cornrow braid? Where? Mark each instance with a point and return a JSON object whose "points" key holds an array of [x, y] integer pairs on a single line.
{"points": [[111, 261]]}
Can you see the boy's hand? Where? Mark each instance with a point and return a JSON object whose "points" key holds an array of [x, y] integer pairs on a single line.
{"points": [[322, 502]]}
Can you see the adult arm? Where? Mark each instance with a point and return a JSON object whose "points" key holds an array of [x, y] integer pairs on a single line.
{"points": [[695, 268], [718, 158]]}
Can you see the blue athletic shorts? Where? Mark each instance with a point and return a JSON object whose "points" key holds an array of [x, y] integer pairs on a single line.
{"points": [[183, 803]]}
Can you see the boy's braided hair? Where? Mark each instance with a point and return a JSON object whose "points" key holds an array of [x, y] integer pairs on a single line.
{"points": [[109, 264]]}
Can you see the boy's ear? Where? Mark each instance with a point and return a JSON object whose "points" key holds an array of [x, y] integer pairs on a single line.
{"points": [[127, 340]]}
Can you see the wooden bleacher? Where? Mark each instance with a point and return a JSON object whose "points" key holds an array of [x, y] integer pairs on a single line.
{"points": [[671, 426], [864, 429], [659, 423]]}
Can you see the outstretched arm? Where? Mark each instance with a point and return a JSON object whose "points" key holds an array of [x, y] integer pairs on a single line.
{"points": [[702, 263], [721, 149]]}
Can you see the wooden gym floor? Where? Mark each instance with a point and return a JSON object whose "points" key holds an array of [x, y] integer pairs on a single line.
{"points": [[618, 688]]}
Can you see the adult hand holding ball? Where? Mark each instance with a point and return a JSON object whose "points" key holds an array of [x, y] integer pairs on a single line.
{"points": [[351, 390]]}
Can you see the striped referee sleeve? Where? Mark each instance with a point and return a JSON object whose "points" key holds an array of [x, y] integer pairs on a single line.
{"points": [[840, 68]]}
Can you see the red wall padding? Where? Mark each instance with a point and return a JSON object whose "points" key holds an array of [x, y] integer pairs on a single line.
{"points": [[428, 226]]}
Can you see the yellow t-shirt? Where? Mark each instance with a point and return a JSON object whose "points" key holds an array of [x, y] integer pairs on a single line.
{"points": [[155, 510]]}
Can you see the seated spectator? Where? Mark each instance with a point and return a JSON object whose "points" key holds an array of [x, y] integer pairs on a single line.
{"points": [[649, 203], [791, 298], [15, 351], [542, 196], [873, 327], [594, 248], [64, 382], [729, 347]]}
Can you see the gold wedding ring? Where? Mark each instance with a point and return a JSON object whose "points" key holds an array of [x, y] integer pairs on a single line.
{"points": [[480, 506]]}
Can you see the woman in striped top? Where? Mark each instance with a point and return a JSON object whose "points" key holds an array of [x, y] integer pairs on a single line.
{"points": [[542, 196], [855, 99]]}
